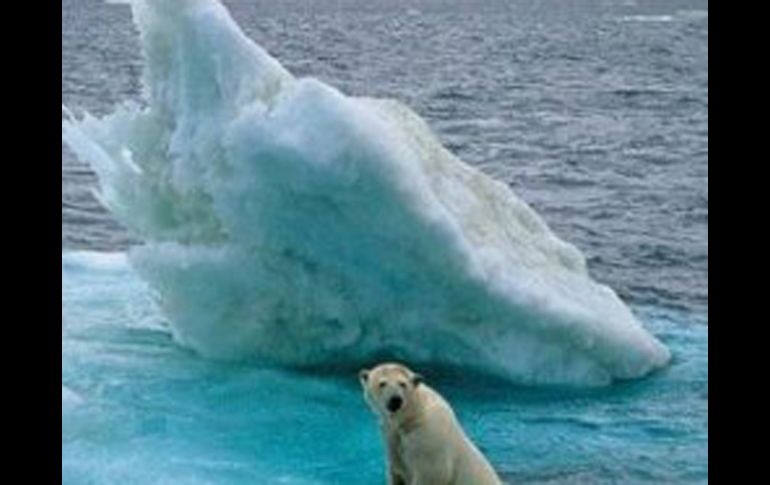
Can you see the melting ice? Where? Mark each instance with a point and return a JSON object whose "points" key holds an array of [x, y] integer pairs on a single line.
{"points": [[288, 223]]}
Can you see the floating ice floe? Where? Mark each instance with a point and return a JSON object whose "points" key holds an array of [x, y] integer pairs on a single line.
{"points": [[286, 222]]}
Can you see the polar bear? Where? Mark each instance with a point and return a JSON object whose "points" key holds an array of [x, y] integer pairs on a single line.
{"points": [[425, 443]]}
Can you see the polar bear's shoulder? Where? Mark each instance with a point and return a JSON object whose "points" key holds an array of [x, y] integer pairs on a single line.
{"points": [[435, 412], [434, 403], [438, 449]]}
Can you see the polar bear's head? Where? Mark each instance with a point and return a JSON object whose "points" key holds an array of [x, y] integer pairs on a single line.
{"points": [[389, 388]]}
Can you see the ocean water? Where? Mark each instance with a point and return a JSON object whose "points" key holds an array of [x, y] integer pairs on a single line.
{"points": [[595, 114], [136, 408]]}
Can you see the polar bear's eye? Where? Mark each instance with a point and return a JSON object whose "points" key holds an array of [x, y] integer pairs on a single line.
{"points": [[382, 384], [402, 384]]}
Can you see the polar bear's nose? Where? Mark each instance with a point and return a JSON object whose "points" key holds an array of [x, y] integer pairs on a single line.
{"points": [[394, 403]]}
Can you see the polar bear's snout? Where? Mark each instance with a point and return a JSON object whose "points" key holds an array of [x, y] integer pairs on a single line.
{"points": [[393, 394], [394, 403]]}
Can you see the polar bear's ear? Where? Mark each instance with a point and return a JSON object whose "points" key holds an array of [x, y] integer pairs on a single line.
{"points": [[417, 379], [363, 375]]}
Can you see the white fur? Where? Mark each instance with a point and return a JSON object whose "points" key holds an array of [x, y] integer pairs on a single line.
{"points": [[425, 442]]}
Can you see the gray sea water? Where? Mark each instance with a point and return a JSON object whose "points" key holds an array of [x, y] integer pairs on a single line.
{"points": [[594, 111]]}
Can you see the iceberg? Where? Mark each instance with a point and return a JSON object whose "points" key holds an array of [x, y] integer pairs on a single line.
{"points": [[287, 223]]}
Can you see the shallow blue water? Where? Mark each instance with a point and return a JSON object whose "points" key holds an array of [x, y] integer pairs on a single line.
{"points": [[149, 412]]}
